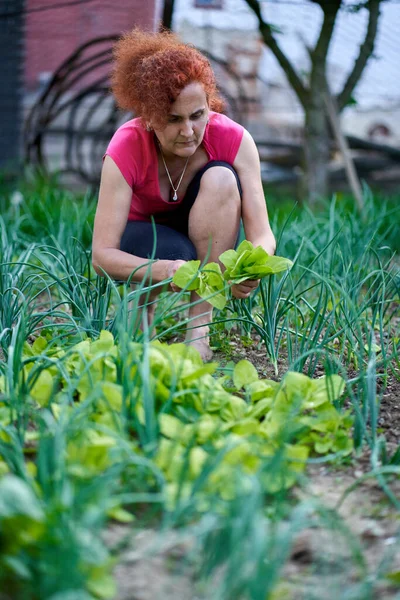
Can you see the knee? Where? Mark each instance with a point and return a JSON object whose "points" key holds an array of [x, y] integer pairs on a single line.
{"points": [[180, 248], [220, 182]]}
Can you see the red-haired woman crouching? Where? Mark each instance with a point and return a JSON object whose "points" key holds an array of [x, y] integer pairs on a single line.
{"points": [[181, 162]]}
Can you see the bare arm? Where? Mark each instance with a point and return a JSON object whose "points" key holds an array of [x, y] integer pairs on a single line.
{"points": [[110, 221], [254, 210]]}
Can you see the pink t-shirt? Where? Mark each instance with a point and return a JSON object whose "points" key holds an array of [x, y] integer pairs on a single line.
{"points": [[133, 150]]}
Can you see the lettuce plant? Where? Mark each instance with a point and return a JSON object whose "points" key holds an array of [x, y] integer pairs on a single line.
{"points": [[244, 263], [248, 262], [196, 414], [207, 281]]}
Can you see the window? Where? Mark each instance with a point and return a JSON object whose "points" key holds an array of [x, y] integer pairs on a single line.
{"points": [[208, 3]]}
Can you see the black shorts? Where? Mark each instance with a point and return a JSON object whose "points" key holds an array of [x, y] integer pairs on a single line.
{"points": [[171, 239]]}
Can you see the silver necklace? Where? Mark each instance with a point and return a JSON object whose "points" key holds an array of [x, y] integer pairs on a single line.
{"points": [[175, 196]]}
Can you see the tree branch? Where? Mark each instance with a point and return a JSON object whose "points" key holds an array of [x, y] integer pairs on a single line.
{"points": [[366, 49], [289, 70], [320, 51]]}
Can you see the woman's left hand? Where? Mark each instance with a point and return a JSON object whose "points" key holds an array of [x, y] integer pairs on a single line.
{"points": [[244, 289]]}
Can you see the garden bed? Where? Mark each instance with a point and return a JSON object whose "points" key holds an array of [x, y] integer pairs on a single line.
{"points": [[131, 470]]}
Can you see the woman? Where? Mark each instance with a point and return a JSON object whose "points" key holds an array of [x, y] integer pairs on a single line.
{"points": [[181, 162]]}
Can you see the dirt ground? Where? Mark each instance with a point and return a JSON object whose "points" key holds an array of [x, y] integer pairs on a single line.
{"points": [[321, 564]]}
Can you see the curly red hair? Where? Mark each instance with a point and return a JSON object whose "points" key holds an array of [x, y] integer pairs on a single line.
{"points": [[151, 69]]}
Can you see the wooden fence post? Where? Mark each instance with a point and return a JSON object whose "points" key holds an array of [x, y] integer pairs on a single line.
{"points": [[344, 148]]}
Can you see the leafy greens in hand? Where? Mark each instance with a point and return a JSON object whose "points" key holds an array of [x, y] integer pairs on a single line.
{"points": [[248, 262], [208, 281]]}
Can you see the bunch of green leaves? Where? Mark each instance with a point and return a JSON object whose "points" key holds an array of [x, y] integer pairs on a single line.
{"points": [[206, 281], [248, 262], [244, 263]]}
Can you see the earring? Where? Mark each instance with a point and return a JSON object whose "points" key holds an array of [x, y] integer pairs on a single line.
{"points": [[148, 127]]}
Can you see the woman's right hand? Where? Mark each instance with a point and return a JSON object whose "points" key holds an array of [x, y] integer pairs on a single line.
{"points": [[171, 268]]}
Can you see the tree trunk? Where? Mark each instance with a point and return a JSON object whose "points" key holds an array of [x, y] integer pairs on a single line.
{"points": [[167, 14], [317, 135], [315, 181]]}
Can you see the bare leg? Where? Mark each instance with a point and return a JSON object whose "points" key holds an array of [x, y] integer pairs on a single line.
{"points": [[215, 215], [145, 311]]}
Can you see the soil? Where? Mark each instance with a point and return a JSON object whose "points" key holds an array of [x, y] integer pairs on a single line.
{"points": [[321, 565]]}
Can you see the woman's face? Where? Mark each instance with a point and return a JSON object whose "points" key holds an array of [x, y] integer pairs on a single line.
{"points": [[186, 123]]}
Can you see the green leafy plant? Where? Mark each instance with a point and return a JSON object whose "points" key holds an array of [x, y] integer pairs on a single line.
{"points": [[207, 281], [244, 263], [248, 262]]}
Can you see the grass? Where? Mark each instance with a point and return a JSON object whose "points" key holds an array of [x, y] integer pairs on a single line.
{"points": [[96, 426]]}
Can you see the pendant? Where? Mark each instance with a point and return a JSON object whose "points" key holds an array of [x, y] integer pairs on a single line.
{"points": [[175, 197]]}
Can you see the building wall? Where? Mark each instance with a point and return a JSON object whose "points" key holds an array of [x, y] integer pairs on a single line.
{"points": [[52, 35]]}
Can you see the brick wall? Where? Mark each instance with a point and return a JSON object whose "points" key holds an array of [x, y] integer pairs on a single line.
{"points": [[52, 35]]}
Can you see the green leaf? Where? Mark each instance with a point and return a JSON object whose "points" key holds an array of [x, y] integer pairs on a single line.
{"points": [[234, 409], [187, 274], [214, 273], [249, 262], [244, 246], [39, 345], [18, 499], [206, 427], [228, 258], [209, 282], [218, 300], [239, 265], [258, 256], [274, 264], [104, 343], [197, 459], [265, 388], [246, 427], [323, 445], [212, 285], [102, 584], [112, 393], [170, 426], [214, 400], [208, 368], [120, 514], [296, 385], [394, 577], [42, 388], [260, 408], [326, 388], [297, 454], [244, 373]]}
